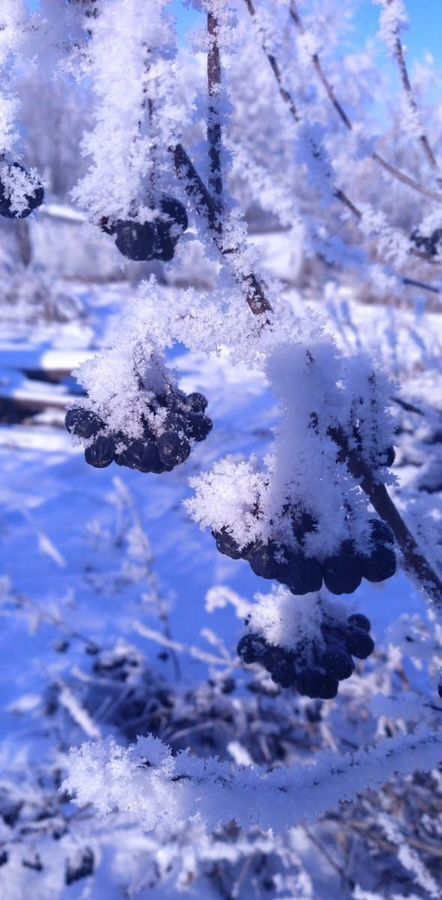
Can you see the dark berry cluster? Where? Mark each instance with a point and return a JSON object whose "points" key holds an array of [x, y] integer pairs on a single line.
{"points": [[33, 199], [341, 573], [184, 422], [430, 244], [142, 241], [314, 668]]}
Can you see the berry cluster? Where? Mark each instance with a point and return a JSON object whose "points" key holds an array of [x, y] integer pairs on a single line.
{"points": [[341, 573], [183, 421], [314, 667], [33, 191], [430, 244], [142, 241]]}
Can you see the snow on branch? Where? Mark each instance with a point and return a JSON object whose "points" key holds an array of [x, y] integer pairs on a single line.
{"points": [[12, 17], [390, 33], [158, 789], [393, 18], [123, 137]]}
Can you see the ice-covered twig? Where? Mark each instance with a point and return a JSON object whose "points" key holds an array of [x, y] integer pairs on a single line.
{"points": [[156, 788], [343, 115]]}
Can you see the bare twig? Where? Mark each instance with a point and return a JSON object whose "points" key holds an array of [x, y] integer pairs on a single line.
{"points": [[178, 647], [391, 169], [389, 847], [328, 857], [421, 284], [316, 150]]}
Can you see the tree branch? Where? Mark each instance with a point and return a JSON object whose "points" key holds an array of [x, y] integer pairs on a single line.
{"points": [[156, 788], [291, 105], [195, 188], [399, 56], [391, 169]]}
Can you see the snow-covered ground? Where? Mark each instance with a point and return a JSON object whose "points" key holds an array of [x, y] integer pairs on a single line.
{"points": [[108, 558]]}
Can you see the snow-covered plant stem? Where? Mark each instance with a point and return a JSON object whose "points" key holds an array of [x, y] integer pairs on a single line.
{"points": [[291, 105], [156, 788]]}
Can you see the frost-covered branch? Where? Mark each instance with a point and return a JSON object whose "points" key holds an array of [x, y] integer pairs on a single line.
{"points": [[287, 97], [158, 789], [393, 170], [392, 17], [251, 286], [392, 244]]}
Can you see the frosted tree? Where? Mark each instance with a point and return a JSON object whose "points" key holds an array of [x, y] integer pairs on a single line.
{"points": [[315, 515]]}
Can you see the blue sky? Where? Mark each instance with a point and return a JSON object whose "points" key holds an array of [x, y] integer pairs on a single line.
{"points": [[425, 33]]}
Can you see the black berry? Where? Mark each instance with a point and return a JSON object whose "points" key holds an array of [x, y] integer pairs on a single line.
{"points": [[82, 422], [199, 426], [380, 565], [310, 682], [262, 560], [359, 621], [283, 672], [251, 648], [135, 240], [173, 450], [359, 643], [197, 402], [101, 453], [141, 455], [226, 544], [329, 688], [338, 664], [33, 199], [342, 574]]}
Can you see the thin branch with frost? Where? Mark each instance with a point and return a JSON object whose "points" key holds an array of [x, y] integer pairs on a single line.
{"points": [[391, 237], [157, 789], [22, 600], [251, 286], [403, 177], [397, 52], [214, 133], [315, 149]]}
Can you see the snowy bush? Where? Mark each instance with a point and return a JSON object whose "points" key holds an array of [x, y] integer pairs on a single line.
{"points": [[214, 787]]}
